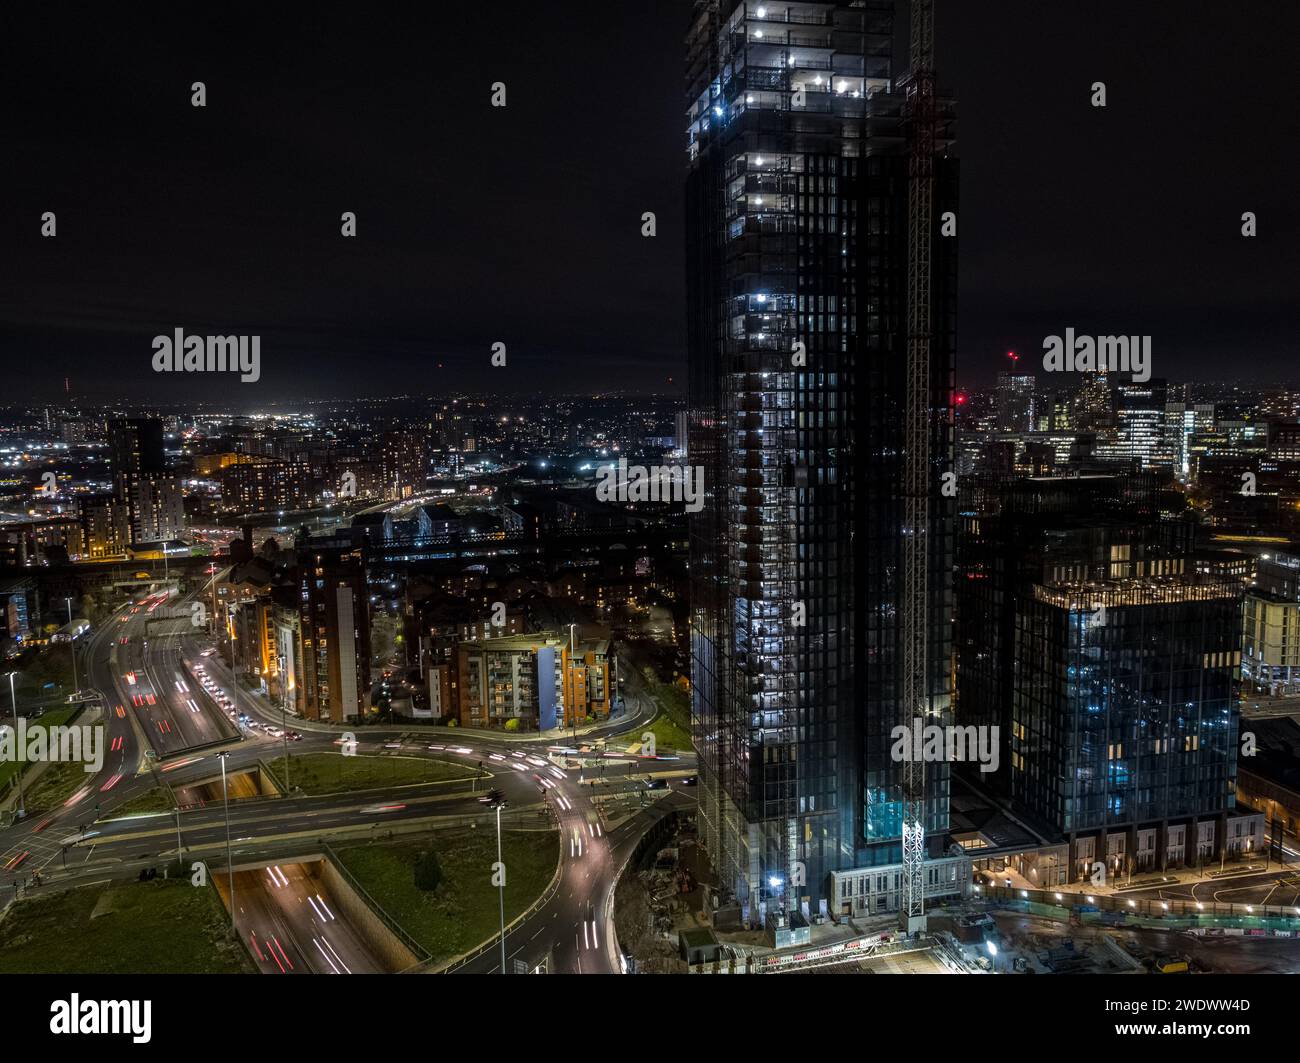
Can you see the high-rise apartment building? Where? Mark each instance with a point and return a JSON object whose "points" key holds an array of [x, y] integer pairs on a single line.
{"points": [[135, 445], [1124, 718], [105, 527], [334, 630], [155, 507], [1183, 422], [18, 607], [153, 498], [1270, 659], [404, 460], [266, 486], [797, 244]]}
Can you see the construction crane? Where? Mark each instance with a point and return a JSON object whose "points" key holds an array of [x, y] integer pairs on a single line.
{"points": [[922, 124]]}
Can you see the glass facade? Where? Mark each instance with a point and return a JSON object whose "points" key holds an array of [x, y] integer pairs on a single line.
{"points": [[1124, 712], [1093, 635], [797, 284]]}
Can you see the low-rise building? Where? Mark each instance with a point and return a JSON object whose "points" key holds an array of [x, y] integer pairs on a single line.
{"points": [[540, 682]]}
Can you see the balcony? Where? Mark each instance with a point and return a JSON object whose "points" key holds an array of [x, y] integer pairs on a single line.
{"points": [[771, 15]]}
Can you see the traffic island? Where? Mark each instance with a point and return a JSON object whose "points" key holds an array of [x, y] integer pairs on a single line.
{"points": [[462, 911], [317, 774]]}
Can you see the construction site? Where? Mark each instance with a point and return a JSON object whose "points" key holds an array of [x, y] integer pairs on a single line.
{"points": [[665, 925]]}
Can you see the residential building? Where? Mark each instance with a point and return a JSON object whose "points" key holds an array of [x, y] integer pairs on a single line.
{"points": [[797, 332]]}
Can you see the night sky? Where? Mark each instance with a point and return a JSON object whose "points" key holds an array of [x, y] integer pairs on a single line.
{"points": [[522, 225]]}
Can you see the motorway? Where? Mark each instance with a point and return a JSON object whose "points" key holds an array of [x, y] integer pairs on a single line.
{"points": [[292, 925], [160, 725], [30, 844], [172, 709]]}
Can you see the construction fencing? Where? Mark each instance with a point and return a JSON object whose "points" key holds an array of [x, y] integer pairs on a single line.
{"points": [[1178, 915]]}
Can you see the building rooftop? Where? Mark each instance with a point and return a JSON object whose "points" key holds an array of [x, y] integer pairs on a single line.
{"points": [[1277, 756], [1148, 590]]}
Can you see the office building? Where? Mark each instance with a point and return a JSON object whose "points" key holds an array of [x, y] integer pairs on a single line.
{"points": [[1108, 658], [1140, 422], [1017, 410]]}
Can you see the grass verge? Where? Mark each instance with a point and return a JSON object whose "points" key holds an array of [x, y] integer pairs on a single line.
{"points": [[668, 736], [56, 784], [332, 773], [159, 927], [50, 718], [463, 911], [156, 800]]}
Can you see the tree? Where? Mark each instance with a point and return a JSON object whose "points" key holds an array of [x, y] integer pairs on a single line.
{"points": [[384, 640], [428, 872]]}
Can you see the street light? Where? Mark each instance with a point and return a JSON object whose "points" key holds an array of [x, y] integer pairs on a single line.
{"points": [[501, 892], [72, 647], [230, 863], [212, 586], [498, 801], [13, 701], [573, 684], [284, 725]]}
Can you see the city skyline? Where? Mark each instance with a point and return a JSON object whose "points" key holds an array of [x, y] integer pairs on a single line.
{"points": [[702, 487]]}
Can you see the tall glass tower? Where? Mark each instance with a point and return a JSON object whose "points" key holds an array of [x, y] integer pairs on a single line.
{"points": [[797, 210]]}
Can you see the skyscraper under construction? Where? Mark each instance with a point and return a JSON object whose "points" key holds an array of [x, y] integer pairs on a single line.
{"points": [[798, 283]]}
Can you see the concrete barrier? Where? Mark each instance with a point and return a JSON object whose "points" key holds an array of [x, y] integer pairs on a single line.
{"points": [[368, 918]]}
